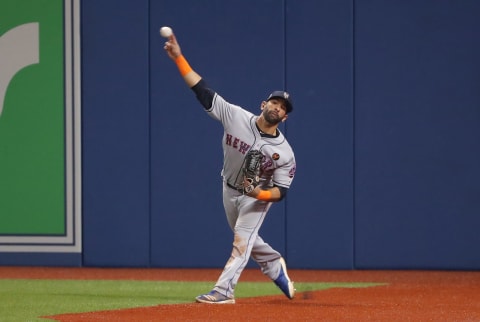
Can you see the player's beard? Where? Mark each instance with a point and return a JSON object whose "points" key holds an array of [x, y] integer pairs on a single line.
{"points": [[271, 117]]}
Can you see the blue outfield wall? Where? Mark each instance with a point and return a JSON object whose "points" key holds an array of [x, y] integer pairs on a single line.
{"points": [[116, 134], [417, 134], [386, 131], [319, 72]]}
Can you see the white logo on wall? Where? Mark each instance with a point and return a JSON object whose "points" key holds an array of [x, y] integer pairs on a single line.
{"points": [[19, 48]]}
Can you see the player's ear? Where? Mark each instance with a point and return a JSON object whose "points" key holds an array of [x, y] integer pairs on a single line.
{"points": [[262, 106], [285, 118]]}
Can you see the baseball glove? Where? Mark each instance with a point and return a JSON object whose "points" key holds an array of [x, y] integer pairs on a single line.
{"points": [[251, 170]]}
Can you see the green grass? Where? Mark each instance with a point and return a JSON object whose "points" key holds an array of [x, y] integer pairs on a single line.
{"points": [[27, 299]]}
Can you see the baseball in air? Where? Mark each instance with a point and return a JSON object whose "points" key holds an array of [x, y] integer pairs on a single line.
{"points": [[166, 32]]}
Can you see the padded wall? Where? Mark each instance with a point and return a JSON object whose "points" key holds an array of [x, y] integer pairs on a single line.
{"points": [[319, 75], [385, 130], [116, 214], [417, 134]]}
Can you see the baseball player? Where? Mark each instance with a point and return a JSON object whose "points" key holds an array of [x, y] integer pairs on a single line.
{"points": [[246, 197]]}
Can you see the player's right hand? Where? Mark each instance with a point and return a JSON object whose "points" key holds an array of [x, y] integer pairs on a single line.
{"points": [[172, 47]]}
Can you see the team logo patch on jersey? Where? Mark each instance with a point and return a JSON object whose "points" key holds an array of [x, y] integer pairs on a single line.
{"points": [[276, 156], [291, 173]]}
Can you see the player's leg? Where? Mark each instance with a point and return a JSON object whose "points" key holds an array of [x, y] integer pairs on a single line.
{"points": [[266, 257], [251, 214], [273, 265], [224, 289], [230, 197]]}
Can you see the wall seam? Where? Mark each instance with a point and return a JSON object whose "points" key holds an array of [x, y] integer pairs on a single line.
{"points": [[354, 259], [286, 125], [149, 106]]}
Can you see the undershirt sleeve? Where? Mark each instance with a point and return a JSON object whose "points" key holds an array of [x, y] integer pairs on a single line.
{"points": [[204, 94], [283, 191]]}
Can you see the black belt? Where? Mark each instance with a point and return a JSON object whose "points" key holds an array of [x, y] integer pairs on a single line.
{"points": [[234, 188]]}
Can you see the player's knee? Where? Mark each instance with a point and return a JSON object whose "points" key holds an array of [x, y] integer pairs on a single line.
{"points": [[239, 245]]}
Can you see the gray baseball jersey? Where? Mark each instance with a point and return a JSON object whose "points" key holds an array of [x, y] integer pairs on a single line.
{"points": [[241, 134]]}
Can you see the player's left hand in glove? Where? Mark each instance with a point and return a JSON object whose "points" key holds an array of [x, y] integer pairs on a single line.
{"points": [[251, 170]]}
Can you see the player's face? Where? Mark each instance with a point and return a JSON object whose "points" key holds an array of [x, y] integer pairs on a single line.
{"points": [[274, 111]]}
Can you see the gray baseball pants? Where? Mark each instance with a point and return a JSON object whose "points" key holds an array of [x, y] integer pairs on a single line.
{"points": [[245, 216]]}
